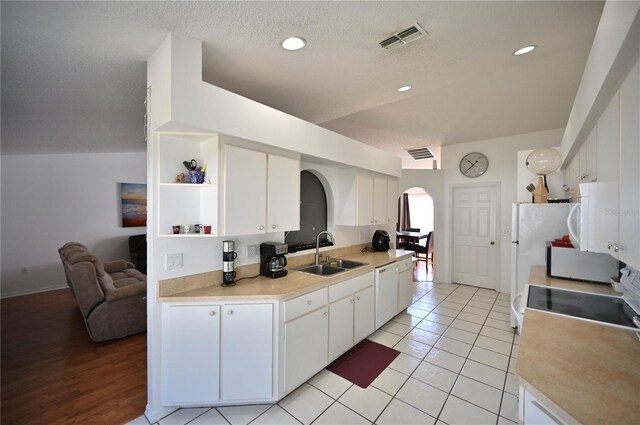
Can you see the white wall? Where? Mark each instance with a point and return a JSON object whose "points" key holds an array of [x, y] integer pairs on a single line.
{"points": [[48, 200], [502, 154]]}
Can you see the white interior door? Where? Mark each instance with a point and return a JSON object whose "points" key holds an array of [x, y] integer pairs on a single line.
{"points": [[475, 249]]}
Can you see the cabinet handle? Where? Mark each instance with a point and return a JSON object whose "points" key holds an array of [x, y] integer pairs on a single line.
{"points": [[309, 302], [273, 226], [230, 312], [261, 227], [609, 245], [325, 314], [212, 313], [616, 248], [358, 298], [351, 301]]}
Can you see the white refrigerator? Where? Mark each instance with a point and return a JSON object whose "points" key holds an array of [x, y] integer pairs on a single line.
{"points": [[532, 225]]}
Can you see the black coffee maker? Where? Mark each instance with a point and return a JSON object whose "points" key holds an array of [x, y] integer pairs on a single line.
{"points": [[272, 259]]}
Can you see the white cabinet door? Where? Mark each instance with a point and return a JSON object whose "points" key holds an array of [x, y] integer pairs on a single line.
{"points": [[405, 289], [245, 191], [536, 413], [190, 354], [572, 173], [364, 203], [246, 371], [305, 345], [587, 158], [392, 201], [363, 314], [283, 208], [630, 169], [591, 168], [379, 200], [608, 145], [340, 327]]}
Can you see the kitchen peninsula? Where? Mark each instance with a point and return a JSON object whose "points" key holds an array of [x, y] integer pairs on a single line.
{"points": [[259, 340], [575, 371]]}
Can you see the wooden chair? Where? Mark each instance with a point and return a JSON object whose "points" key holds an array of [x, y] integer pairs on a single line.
{"points": [[423, 253]]}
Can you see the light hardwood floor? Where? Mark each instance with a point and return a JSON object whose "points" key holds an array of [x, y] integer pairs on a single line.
{"points": [[52, 373]]}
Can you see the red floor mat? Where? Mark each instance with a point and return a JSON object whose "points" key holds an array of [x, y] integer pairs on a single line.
{"points": [[363, 363]]}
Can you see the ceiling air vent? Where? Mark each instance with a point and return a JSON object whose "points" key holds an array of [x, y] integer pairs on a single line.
{"points": [[404, 37], [420, 153]]}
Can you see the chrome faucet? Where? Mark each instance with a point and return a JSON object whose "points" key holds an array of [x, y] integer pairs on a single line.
{"points": [[333, 240]]}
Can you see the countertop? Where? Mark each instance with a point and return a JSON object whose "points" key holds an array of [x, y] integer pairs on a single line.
{"points": [[583, 372], [295, 283]]}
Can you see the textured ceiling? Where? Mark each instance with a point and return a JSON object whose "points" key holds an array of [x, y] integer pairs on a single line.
{"points": [[73, 73]]}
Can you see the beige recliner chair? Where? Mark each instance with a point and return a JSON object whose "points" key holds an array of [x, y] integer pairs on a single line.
{"points": [[111, 296]]}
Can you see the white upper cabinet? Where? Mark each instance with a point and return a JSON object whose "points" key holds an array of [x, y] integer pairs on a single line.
{"points": [[245, 191], [629, 240], [283, 181], [588, 158], [392, 201], [261, 192], [363, 200], [364, 203], [608, 168], [379, 200]]}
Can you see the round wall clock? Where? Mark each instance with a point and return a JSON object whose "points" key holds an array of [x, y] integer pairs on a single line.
{"points": [[474, 164]]}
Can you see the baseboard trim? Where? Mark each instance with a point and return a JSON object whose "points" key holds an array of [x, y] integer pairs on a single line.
{"points": [[154, 415], [33, 291]]}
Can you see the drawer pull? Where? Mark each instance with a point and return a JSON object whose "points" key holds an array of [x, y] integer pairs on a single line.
{"points": [[230, 312], [212, 313]]}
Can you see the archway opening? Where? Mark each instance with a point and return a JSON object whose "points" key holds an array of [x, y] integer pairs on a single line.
{"points": [[416, 214]]}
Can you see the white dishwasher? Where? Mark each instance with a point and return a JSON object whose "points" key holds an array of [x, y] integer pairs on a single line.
{"points": [[386, 284]]}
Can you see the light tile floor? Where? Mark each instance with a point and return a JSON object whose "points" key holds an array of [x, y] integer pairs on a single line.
{"points": [[456, 366]]}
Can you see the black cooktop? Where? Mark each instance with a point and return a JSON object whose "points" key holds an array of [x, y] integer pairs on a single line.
{"points": [[601, 308]]}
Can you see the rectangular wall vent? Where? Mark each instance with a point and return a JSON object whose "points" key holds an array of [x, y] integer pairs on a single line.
{"points": [[420, 153], [403, 37]]}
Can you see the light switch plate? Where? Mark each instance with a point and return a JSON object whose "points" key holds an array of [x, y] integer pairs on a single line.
{"points": [[173, 261]]}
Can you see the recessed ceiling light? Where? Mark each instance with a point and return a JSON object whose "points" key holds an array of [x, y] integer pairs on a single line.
{"points": [[524, 50], [404, 88], [294, 43]]}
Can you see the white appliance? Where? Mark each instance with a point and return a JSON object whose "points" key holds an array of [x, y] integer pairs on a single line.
{"points": [[386, 289], [571, 263], [581, 221], [532, 225]]}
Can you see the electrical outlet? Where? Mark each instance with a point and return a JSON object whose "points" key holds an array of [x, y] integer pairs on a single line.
{"points": [[252, 251], [173, 261]]}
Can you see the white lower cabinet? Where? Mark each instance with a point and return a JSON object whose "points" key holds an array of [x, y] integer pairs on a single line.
{"points": [[340, 327], [405, 283], [363, 314], [246, 352], [190, 354], [213, 353], [351, 313], [305, 347], [533, 412]]}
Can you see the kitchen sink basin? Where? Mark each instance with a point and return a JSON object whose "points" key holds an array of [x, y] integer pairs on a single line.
{"points": [[346, 264], [331, 267], [321, 269]]}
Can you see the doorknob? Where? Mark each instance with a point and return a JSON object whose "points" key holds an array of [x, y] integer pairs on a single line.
{"points": [[493, 243]]}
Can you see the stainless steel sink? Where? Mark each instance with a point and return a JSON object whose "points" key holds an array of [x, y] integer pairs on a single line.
{"points": [[321, 269], [332, 267], [346, 264]]}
